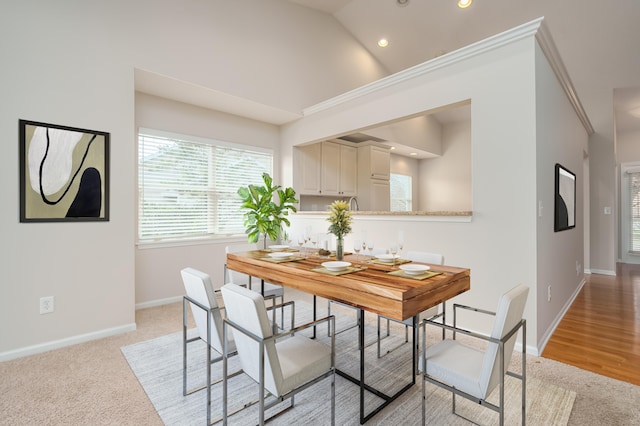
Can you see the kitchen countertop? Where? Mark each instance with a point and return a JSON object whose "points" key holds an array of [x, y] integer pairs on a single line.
{"points": [[387, 213]]}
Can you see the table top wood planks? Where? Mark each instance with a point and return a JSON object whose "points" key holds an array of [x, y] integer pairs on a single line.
{"points": [[372, 289]]}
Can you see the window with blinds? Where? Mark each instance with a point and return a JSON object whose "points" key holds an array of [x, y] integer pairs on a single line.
{"points": [[401, 193], [187, 186], [633, 210]]}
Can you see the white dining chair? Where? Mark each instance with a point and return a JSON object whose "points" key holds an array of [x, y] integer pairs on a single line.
{"points": [[200, 296], [471, 372], [282, 364], [268, 290], [432, 313]]}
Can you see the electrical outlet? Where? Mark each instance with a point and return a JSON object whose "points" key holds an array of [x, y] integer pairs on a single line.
{"points": [[549, 294], [46, 305]]}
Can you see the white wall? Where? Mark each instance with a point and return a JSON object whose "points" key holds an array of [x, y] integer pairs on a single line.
{"points": [[499, 244], [562, 139], [446, 180], [72, 63]]}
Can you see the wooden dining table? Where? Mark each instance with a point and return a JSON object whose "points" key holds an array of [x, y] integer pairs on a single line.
{"points": [[380, 288]]}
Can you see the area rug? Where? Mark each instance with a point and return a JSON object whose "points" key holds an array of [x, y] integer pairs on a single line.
{"points": [[157, 364]]}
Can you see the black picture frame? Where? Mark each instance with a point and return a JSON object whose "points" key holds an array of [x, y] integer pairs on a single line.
{"points": [[565, 199], [64, 173]]}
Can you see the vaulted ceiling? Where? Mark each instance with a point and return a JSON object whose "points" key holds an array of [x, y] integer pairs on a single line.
{"points": [[597, 40]]}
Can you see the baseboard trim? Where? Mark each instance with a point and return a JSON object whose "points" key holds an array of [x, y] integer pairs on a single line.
{"points": [[158, 302], [69, 341], [603, 272], [547, 335]]}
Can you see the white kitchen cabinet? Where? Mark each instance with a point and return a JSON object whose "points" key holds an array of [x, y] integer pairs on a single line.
{"points": [[374, 165], [326, 169], [339, 169], [307, 163], [374, 162]]}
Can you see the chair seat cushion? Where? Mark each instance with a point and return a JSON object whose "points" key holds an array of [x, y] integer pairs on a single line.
{"points": [[301, 359], [455, 364]]}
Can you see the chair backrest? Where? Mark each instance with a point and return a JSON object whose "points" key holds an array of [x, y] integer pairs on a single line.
{"points": [[247, 309], [198, 287], [508, 314], [426, 257], [236, 277]]}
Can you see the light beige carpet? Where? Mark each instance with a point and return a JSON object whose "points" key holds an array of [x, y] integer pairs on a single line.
{"points": [[157, 364]]}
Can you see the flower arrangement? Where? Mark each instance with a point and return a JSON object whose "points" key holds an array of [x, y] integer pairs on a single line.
{"points": [[340, 218]]}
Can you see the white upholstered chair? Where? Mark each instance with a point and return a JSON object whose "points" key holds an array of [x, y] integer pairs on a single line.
{"points": [[424, 257], [473, 373], [273, 291], [282, 364], [201, 297]]}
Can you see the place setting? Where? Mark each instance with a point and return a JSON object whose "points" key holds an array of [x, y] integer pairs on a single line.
{"points": [[414, 271], [337, 267], [282, 256]]}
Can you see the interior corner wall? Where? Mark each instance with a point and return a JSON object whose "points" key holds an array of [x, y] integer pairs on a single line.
{"points": [[560, 138], [499, 243], [158, 267]]}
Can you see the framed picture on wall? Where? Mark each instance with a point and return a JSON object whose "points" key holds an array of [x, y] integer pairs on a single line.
{"points": [[565, 199], [64, 173]]}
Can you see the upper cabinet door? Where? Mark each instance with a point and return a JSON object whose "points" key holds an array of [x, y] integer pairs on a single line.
{"points": [[329, 176], [380, 163], [348, 170], [307, 169]]}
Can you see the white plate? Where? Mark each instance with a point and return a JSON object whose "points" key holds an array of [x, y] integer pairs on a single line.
{"points": [[280, 255], [278, 247], [415, 269], [336, 266], [386, 257]]}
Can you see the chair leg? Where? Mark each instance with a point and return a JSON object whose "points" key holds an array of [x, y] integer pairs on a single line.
{"points": [[424, 401]]}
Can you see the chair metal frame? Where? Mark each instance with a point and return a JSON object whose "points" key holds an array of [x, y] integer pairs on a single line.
{"points": [[522, 324], [262, 342], [186, 340]]}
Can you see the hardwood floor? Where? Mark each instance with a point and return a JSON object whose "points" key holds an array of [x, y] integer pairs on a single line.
{"points": [[601, 330]]}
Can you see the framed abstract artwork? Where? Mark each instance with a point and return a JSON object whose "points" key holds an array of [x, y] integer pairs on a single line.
{"points": [[64, 173], [565, 201]]}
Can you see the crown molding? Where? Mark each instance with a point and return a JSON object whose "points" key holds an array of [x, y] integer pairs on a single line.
{"points": [[535, 28]]}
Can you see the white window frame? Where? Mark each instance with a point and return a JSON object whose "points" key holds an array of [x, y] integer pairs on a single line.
{"points": [[409, 200], [201, 237], [625, 215]]}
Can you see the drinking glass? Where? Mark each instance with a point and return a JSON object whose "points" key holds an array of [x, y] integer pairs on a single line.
{"points": [[300, 243], [370, 247], [392, 251], [364, 246], [356, 248]]}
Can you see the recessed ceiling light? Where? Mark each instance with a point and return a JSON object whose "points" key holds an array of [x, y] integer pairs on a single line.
{"points": [[463, 4], [383, 42], [393, 147], [413, 154], [402, 3]]}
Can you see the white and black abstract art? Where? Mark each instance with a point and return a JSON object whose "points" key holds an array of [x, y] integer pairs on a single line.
{"points": [[565, 202], [64, 173]]}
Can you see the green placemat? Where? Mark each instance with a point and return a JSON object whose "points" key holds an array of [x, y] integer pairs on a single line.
{"points": [[349, 270], [424, 276]]}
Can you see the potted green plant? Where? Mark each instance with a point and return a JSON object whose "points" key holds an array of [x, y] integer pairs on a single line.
{"points": [[264, 216], [340, 219]]}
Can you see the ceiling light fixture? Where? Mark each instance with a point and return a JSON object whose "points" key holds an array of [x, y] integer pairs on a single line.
{"points": [[413, 154], [383, 42], [402, 3], [463, 4]]}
